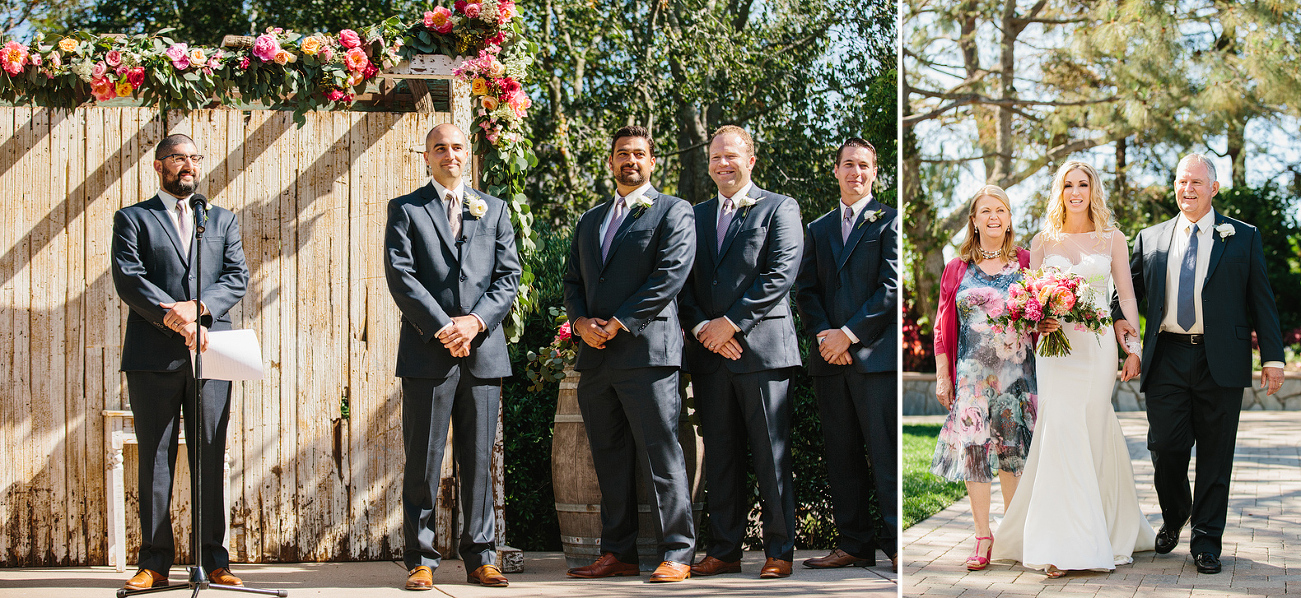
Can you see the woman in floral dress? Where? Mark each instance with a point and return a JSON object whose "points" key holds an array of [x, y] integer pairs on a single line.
{"points": [[985, 374]]}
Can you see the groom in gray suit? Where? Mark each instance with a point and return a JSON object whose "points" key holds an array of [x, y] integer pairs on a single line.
{"points": [[1203, 275], [450, 261], [740, 351], [153, 272], [628, 259]]}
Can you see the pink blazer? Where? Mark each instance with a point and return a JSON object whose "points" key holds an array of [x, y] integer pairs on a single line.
{"points": [[946, 321]]}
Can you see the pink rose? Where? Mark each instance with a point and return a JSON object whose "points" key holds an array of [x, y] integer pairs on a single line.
{"points": [[473, 10], [338, 95], [496, 40], [325, 54], [113, 58], [179, 55], [349, 38], [505, 10], [265, 47], [35, 59], [355, 60], [99, 70], [136, 76]]}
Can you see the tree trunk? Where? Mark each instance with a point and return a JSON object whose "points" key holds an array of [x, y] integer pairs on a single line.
{"points": [[1237, 136]]}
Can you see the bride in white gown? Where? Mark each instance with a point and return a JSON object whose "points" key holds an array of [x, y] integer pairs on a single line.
{"points": [[1076, 506]]}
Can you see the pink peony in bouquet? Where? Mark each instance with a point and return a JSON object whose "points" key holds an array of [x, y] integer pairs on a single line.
{"points": [[1052, 293]]}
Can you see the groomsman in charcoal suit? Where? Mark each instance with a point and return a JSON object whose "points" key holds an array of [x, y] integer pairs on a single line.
{"points": [[628, 260], [740, 352], [1203, 275], [153, 272], [848, 296], [449, 256]]}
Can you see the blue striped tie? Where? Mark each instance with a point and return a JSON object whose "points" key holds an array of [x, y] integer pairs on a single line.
{"points": [[1187, 314]]}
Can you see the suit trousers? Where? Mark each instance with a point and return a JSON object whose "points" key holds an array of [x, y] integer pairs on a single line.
{"points": [[157, 401], [860, 422], [470, 404], [1185, 407], [733, 408], [631, 417]]}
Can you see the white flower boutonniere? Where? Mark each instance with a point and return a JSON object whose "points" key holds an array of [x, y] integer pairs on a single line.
{"points": [[870, 217], [477, 207], [643, 202], [744, 201], [1225, 230]]}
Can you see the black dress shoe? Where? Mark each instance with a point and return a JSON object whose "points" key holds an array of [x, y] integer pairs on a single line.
{"points": [[1207, 563], [1167, 539]]}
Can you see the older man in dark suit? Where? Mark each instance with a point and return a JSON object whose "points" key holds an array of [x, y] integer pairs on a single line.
{"points": [[741, 351], [628, 259], [153, 272], [449, 256], [1204, 277], [848, 296]]}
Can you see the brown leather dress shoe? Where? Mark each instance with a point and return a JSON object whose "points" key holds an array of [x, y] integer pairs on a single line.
{"points": [[488, 575], [669, 571], [420, 578], [838, 558], [606, 566], [712, 566], [224, 577], [145, 579], [894, 564], [774, 568]]}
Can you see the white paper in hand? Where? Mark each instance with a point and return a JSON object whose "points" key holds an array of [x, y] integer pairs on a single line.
{"points": [[232, 355]]}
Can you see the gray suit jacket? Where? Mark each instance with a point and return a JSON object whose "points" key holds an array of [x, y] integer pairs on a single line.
{"points": [[1236, 298], [434, 277], [149, 268], [853, 283], [649, 262], [748, 280]]}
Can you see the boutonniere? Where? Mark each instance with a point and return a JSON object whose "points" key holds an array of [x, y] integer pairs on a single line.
{"points": [[870, 217], [640, 204], [743, 205], [477, 207], [1225, 230]]}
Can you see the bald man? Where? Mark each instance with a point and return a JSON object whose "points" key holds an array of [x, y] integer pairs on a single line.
{"points": [[451, 265]]}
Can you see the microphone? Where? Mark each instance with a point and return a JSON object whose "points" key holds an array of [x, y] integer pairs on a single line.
{"points": [[200, 204]]}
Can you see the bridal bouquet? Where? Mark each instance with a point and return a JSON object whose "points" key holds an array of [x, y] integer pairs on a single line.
{"points": [[1052, 293]]}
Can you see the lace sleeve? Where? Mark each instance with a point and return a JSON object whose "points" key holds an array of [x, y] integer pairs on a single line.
{"points": [[1120, 276], [1036, 252]]}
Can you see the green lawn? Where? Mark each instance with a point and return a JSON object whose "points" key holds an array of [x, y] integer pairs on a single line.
{"points": [[924, 494]]}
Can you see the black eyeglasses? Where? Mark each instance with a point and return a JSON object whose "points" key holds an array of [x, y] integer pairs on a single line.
{"points": [[179, 158]]}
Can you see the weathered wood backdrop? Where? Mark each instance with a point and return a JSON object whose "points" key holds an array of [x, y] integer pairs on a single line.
{"points": [[307, 481]]}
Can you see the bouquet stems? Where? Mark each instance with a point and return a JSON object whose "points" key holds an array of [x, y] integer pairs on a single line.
{"points": [[1054, 344]]}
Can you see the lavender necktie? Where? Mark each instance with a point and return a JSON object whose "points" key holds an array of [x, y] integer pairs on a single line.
{"points": [[454, 215], [724, 221], [615, 220], [184, 222], [846, 225]]}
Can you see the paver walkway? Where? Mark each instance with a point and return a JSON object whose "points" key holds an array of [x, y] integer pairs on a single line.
{"points": [[1262, 540], [544, 575]]}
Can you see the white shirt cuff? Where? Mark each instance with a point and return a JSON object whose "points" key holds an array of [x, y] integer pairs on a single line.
{"points": [[1272, 364], [696, 331], [849, 333], [443, 329], [482, 326], [616, 321], [735, 328]]}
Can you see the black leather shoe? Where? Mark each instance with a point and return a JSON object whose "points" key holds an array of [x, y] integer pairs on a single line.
{"points": [[1167, 539], [1207, 563]]}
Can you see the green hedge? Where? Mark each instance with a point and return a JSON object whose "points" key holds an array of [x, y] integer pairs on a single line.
{"points": [[530, 512]]}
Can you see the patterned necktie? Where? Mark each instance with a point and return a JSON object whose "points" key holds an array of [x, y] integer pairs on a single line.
{"points": [[615, 220], [846, 225], [724, 221], [184, 222], [1187, 314], [454, 215]]}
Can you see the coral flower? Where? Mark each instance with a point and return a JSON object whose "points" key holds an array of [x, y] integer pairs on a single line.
{"points": [[439, 19], [13, 56], [349, 39], [355, 60]]}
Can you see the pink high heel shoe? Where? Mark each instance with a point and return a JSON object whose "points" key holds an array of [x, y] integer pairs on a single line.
{"points": [[977, 561]]}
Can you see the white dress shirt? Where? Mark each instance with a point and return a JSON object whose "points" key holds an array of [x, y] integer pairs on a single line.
{"points": [[459, 194], [174, 214], [855, 210], [719, 214], [627, 207], [1206, 239]]}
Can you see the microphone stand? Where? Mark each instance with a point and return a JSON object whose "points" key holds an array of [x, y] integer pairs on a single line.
{"points": [[198, 580]]}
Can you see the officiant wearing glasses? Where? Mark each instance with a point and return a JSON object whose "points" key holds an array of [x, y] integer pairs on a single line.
{"points": [[153, 257]]}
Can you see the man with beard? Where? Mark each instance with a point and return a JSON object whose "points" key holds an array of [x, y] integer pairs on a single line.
{"points": [[741, 350], [450, 261], [153, 272], [848, 296], [628, 259]]}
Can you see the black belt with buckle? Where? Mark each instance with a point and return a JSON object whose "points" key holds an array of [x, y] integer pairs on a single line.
{"points": [[1187, 339]]}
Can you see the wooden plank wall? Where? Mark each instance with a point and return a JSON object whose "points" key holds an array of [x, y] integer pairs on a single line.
{"points": [[307, 484]]}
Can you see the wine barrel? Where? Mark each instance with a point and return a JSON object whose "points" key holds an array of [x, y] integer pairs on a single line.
{"points": [[578, 497]]}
